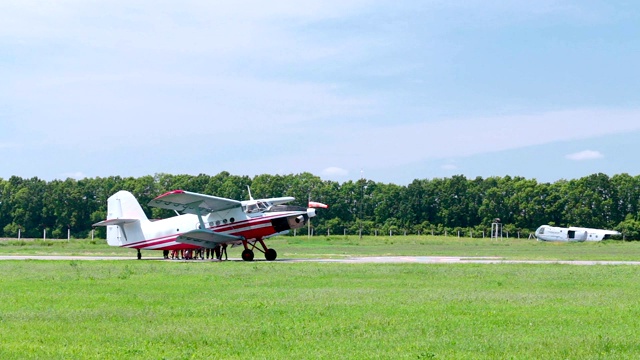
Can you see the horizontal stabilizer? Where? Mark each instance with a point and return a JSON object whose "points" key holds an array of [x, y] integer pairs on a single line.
{"points": [[206, 238], [115, 222]]}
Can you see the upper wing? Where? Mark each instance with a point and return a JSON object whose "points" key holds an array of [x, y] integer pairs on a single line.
{"points": [[206, 238], [193, 203], [272, 201], [279, 200]]}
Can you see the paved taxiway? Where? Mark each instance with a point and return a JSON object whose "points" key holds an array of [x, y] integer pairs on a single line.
{"points": [[353, 260]]}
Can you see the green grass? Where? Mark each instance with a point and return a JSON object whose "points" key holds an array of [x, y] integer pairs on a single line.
{"points": [[341, 246], [237, 310], [96, 247]]}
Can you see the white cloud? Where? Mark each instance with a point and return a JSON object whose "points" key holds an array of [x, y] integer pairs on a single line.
{"points": [[335, 172], [73, 175], [380, 146], [585, 155]]}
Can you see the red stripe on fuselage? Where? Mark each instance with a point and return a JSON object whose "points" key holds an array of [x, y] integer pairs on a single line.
{"points": [[244, 228]]}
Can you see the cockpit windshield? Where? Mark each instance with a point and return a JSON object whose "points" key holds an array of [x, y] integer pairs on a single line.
{"points": [[258, 206]]}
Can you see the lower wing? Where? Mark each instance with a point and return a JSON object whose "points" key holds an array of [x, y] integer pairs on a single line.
{"points": [[206, 238]]}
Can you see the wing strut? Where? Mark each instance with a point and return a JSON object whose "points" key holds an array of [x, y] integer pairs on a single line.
{"points": [[200, 218]]}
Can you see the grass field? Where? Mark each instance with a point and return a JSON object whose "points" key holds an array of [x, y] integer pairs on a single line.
{"points": [[276, 310], [341, 246]]}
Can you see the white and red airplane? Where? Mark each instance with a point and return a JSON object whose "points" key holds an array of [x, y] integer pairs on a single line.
{"points": [[206, 222]]}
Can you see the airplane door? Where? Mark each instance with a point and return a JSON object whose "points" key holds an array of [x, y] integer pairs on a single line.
{"points": [[571, 234]]}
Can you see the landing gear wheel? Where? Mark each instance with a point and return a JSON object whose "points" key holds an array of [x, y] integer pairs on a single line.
{"points": [[247, 255], [139, 255], [270, 254]]}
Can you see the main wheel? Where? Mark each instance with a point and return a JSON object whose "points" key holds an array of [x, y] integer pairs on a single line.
{"points": [[247, 255], [270, 254], [139, 255]]}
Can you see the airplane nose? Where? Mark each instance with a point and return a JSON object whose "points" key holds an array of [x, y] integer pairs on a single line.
{"points": [[311, 212]]}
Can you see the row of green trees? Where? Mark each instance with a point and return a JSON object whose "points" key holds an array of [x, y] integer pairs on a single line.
{"points": [[436, 206]]}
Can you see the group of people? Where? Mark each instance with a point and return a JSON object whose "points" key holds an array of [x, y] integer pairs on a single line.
{"points": [[194, 254]]}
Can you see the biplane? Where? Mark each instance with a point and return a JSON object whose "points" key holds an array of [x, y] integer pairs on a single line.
{"points": [[203, 221]]}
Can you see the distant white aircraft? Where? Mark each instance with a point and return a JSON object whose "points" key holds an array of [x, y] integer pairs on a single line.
{"points": [[579, 234], [206, 222]]}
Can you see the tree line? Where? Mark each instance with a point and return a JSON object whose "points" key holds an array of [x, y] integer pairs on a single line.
{"points": [[425, 206]]}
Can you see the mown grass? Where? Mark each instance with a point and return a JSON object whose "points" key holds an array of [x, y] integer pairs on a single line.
{"points": [[88, 247], [340, 246], [236, 310], [346, 246]]}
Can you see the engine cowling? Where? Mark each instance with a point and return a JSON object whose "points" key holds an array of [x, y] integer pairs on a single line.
{"points": [[289, 222]]}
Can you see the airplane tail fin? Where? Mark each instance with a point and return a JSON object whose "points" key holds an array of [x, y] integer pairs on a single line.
{"points": [[125, 218]]}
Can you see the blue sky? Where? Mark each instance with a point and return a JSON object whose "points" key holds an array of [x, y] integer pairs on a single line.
{"points": [[391, 90]]}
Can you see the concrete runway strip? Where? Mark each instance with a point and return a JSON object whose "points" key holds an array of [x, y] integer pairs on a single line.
{"points": [[352, 260]]}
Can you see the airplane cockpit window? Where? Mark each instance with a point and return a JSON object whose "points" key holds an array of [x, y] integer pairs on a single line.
{"points": [[251, 208], [541, 231], [259, 206]]}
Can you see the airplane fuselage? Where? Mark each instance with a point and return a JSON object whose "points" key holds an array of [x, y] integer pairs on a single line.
{"points": [[572, 234], [162, 234]]}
